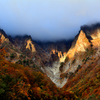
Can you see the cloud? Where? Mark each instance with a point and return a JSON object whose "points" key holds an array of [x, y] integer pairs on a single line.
{"points": [[47, 19]]}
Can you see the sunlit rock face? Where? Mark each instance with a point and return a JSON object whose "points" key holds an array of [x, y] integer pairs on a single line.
{"points": [[82, 42], [61, 55], [30, 46], [96, 34], [3, 36], [75, 53], [80, 45], [96, 39]]}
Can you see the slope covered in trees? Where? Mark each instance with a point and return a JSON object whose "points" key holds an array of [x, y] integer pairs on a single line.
{"points": [[80, 72], [24, 83], [85, 82]]}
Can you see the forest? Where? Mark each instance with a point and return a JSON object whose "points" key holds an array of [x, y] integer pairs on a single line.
{"points": [[18, 82]]}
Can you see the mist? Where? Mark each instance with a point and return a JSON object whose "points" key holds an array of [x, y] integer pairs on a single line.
{"points": [[47, 20]]}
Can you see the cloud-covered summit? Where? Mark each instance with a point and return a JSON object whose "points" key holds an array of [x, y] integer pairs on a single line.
{"points": [[47, 19]]}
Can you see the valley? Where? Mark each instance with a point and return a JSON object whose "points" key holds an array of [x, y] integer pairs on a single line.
{"points": [[71, 65]]}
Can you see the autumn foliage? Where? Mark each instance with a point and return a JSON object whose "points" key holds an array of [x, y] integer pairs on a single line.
{"points": [[24, 83], [85, 83]]}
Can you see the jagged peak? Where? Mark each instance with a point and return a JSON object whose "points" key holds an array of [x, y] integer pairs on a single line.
{"points": [[3, 33], [82, 42], [23, 37], [91, 31], [88, 29], [82, 36], [27, 37]]}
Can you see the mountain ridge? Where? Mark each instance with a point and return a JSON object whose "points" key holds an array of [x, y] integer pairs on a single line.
{"points": [[62, 57], [69, 64]]}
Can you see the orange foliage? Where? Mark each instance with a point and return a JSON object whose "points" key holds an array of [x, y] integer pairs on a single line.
{"points": [[24, 83]]}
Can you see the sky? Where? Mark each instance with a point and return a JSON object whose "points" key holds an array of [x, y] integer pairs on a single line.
{"points": [[47, 20]]}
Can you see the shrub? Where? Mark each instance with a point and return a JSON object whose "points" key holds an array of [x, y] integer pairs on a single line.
{"points": [[66, 59], [19, 62], [12, 56], [78, 67], [70, 74], [61, 66], [73, 61]]}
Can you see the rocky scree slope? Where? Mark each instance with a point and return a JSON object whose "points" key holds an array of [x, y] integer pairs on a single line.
{"points": [[85, 47]]}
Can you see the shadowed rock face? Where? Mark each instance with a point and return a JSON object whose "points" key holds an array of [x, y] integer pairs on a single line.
{"points": [[87, 29], [3, 33]]}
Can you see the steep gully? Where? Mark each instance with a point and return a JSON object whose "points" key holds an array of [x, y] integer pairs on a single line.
{"points": [[88, 40]]}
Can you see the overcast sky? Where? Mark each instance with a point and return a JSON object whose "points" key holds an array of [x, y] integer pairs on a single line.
{"points": [[47, 19]]}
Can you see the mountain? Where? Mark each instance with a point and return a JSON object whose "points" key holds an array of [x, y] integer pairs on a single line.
{"points": [[28, 52], [82, 67], [22, 70], [72, 65], [18, 82]]}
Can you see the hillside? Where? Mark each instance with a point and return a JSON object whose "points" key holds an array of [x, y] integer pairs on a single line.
{"points": [[18, 82], [66, 69], [84, 72], [44, 55]]}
